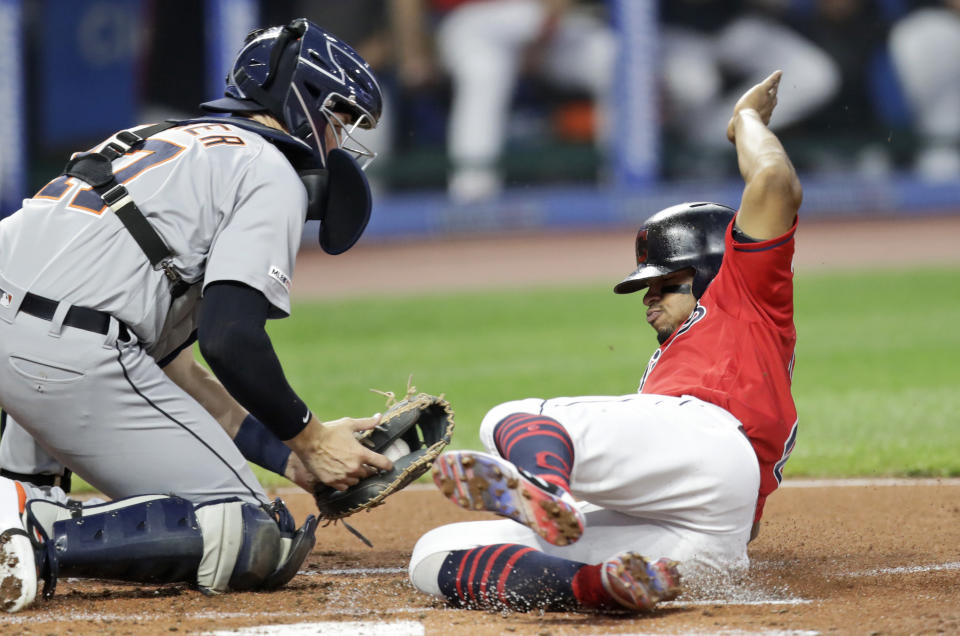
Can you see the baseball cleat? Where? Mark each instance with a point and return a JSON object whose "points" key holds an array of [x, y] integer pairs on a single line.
{"points": [[637, 584], [18, 565], [480, 481]]}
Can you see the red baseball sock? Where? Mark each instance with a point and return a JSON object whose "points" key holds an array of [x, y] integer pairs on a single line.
{"points": [[589, 591]]}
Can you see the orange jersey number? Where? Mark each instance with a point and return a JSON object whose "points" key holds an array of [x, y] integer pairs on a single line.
{"points": [[153, 153]]}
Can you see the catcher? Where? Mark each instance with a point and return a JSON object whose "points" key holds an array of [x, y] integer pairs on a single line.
{"points": [[162, 235]]}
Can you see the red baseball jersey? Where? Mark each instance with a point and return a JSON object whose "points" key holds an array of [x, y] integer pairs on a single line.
{"points": [[736, 350]]}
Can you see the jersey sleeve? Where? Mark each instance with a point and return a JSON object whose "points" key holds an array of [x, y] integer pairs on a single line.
{"points": [[762, 273], [260, 234]]}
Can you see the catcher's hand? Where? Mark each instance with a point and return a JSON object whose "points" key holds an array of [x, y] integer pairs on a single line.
{"points": [[331, 453], [412, 433]]}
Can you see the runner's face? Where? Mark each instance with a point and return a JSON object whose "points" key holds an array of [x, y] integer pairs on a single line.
{"points": [[669, 300]]}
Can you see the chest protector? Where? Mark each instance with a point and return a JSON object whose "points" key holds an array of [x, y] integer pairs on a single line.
{"points": [[338, 194]]}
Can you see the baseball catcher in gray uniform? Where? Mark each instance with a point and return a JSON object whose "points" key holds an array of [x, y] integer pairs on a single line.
{"points": [[164, 235]]}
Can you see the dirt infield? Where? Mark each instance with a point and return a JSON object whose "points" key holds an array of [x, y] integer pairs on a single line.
{"points": [[523, 259], [843, 559], [832, 558]]}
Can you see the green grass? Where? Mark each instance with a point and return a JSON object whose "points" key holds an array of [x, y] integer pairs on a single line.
{"points": [[877, 378], [479, 349]]}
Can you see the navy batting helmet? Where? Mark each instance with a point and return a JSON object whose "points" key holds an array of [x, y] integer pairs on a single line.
{"points": [[303, 76], [684, 236]]}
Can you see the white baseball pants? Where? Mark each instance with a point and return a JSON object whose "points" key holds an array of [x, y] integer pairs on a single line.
{"points": [[663, 476]]}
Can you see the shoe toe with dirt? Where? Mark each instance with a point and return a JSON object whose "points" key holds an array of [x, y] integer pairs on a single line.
{"points": [[637, 584], [18, 570], [481, 481]]}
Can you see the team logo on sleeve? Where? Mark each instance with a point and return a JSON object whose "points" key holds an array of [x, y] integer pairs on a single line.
{"points": [[696, 316], [280, 276]]}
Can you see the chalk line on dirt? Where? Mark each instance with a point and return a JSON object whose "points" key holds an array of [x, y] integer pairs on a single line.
{"points": [[724, 601], [352, 571], [332, 628], [84, 616], [907, 569]]}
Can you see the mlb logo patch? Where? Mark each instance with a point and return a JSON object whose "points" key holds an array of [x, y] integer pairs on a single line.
{"points": [[278, 275], [5, 299]]}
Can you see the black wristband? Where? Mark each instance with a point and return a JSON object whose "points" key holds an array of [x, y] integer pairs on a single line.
{"points": [[260, 446]]}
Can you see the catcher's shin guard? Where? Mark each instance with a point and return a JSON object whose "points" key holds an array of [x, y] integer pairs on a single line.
{"points": [[480, 481], [219, 546], [147, 539], [272, 549], [18, 566], [297, 545]]}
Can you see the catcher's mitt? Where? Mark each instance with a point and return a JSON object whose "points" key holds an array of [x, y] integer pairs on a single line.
{"points": [[424, 423]]}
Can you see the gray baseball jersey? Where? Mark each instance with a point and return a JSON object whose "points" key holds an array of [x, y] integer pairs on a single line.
{"points": [[224, 200], [230, 207]]}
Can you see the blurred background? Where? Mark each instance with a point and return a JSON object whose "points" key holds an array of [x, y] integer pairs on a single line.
{"points": [[505, 114]]}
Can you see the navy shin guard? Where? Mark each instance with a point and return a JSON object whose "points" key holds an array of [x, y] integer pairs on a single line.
{"points": [[218, 546], [154, 541]]}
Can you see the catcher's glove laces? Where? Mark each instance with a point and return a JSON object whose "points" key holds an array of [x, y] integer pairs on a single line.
{"points": [[392, 397], [412, 432]]}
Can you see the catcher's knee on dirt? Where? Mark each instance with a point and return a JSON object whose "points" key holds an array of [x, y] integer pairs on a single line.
{"points": [[220, 546]]}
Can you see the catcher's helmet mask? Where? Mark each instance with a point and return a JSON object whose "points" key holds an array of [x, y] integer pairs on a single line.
{"points": [[304, 76], [684, 236], [313, 82]]}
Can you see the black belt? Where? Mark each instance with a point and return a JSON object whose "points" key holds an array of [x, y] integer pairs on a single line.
{"points": [[78, 317], [63, 481]]}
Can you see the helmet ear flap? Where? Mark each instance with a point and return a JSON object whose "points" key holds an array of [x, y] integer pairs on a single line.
{"points": [[704, 274]]}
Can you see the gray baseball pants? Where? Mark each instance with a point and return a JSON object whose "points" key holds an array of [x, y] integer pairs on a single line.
{"points": [[101, 406]]}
